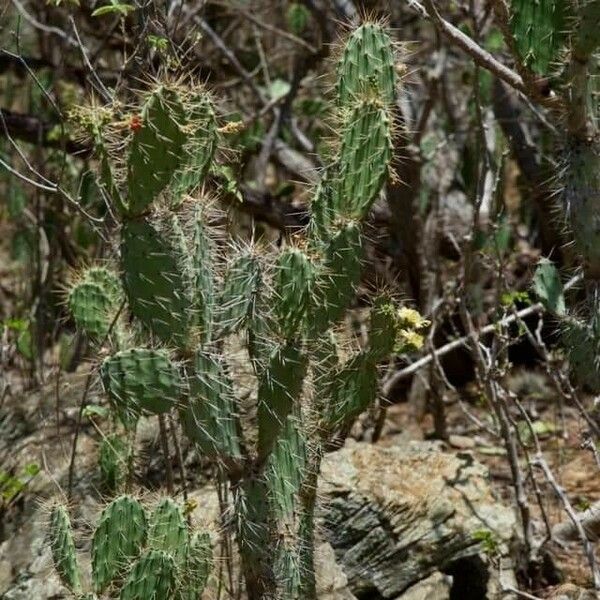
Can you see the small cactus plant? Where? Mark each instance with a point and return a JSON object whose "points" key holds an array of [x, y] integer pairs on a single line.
{"points": [[135, 556]]}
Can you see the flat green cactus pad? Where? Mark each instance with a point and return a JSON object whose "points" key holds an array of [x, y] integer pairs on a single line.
{"points": [[152, 577], [208, 415], [156, 150], [117, 540], [142, 379], [92, 308], [158, 278], [168, 529], [367, 65], [63, 548]]}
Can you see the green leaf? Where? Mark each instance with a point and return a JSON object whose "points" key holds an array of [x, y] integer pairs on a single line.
{"points": [[297, 17], [114, 8], [548, 287]]}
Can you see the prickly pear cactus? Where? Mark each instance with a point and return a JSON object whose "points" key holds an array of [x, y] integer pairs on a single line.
{"points": [[190, 297]]}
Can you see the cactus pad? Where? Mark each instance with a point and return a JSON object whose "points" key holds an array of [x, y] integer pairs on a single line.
{"points": [[367, 65], [168, 530], [118, 539], [279, 387], [63, 548], [152, 577], [158, 277], [156, 150], [208, 416], [365, 152], [142, 378], [294, 284], [538, 28]]}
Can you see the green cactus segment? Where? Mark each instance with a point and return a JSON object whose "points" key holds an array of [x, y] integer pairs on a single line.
{"points": [[367, 66], [383, 332], [582, 341], [198, 568], [241, 287], [108, 280], [583, 203], [294, 285], [168, 530], [322, 213], [538, 29], [548, 287], [200, 147], [113, 460], [352, 388], [287, 465], [63, 548], [364, 156], [204, 287], [158, 277], [156, 150], [279, 387], [118, 539], [585, 38], [339, 276], [142, 379], [208, 416], [152, 577], [92, 308]]}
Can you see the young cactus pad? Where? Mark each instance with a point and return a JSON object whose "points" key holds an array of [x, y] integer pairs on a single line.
{"points": [[118, 539], [63, 548]]}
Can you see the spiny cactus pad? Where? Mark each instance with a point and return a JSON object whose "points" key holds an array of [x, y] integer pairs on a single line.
{"points": [[364, 156], [367, 65], [204, 285], [63, 548], [279, 387], [241, 287], [294, 285], [118, 539], [339, 275], [92, 308], [152, 577], [200, 147], [198, 567], [352, 388], [168, 529], [158, 277], [538, 28], [156, 150], [208, 414], [142, 379]]}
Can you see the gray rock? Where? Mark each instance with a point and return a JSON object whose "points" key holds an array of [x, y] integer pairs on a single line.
{"points": [[394, 516]]}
